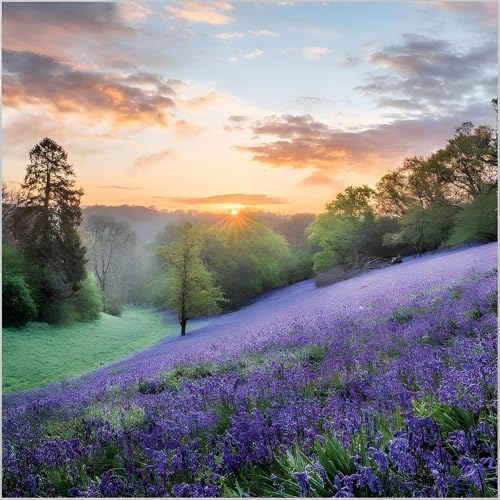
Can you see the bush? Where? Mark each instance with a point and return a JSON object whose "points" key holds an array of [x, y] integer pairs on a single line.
{"points": [[114, 310], [87, 301], [477, 221], [58, 312], [18, 306]]}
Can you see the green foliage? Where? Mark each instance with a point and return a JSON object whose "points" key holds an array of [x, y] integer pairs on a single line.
{"points": [[46, 225], [193, 289], [423, 228], [18, 303], [18, 307], [348, 228], [87, 301], [476, 221], [248, 258], [335, 237]]}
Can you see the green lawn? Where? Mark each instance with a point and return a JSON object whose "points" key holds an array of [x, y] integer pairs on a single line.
{"points": [[39, 354]]}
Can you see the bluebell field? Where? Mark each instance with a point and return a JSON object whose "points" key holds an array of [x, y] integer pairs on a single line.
{"points": [[389, 391]]}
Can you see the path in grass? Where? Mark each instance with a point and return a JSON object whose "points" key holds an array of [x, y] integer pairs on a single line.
{"points": [[40, 354]]}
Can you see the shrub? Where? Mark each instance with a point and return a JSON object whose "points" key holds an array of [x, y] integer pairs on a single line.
{"points": [[58, 312], [18, 306], [87, 301], [477, 221], [114, 310]]}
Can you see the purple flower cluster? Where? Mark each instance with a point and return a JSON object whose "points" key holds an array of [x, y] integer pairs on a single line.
{"points": [[405, 383]]}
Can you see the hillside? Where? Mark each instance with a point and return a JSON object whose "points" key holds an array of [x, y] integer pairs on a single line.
{"points": [[354, 389]]}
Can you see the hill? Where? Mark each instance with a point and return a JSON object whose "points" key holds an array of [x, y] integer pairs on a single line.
{"points": [[379, 385]]}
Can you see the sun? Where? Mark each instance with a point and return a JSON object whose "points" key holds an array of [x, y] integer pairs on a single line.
{"points": [[234, 211]]}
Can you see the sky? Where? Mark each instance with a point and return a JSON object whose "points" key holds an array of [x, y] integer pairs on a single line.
{"points": [[220, 105]]}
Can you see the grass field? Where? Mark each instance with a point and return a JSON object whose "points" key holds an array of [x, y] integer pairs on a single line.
{"points": [[40, 354]]}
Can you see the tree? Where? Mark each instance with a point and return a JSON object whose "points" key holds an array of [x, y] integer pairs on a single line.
{"points": [[12, 200], [340, 232], [423, 228], [46, 224], [18, 304], [193, 290], [471, 157], [478, 220], [107, 242]]}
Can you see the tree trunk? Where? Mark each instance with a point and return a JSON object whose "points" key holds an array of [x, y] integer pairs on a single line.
{"points": [[183, 322]]}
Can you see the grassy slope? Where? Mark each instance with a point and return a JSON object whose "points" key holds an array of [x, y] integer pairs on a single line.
{"points": [[40, 354]]}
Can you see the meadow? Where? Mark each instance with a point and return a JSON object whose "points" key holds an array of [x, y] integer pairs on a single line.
{"points": [[389, 390], [39, 354]]}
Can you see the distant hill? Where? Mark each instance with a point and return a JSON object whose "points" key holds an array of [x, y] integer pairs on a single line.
{"points": [[148, 222]]}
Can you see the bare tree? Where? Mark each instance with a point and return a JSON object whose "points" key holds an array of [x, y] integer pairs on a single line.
{"points": [[12, 199], [107, 244]]}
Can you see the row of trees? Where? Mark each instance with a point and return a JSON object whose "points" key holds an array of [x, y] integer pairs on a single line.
{"points": [[447, 198]]}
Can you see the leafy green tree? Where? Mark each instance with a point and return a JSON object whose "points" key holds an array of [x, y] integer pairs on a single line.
{"points": [[423, 228], [419, 194], [477, 221], [87, 301], [471, 158], [246, 257], [341, 231], [193, 290], [46, 225], [18, 304]]}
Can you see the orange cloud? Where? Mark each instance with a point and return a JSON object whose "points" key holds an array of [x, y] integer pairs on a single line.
{"points": [[300, 141], [317, 178], [236, 198], [30, 78], [145, 161], [200, 102], [184, 127], [197, 12]]}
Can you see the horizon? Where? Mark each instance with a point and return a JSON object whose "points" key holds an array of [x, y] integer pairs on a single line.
{"points": [[224, 106]]}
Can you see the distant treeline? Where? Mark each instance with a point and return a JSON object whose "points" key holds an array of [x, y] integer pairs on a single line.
{"points": [[60, 265]]}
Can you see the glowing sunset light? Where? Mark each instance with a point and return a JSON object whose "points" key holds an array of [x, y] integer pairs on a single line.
{"points": [[234, 211]]}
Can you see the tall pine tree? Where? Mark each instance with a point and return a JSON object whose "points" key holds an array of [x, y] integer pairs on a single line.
{"points": [[46, 226]]}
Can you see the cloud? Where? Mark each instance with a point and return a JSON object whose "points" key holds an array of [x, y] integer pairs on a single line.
{"points": [[485, 12], [254, 54], [185, 128], [200, 102], [154, 81], [236, 122], [146, 161], [229, 36], [314, 53], [349, 61], [262, 32], [237, 198], [32, 79], [302, 142], [432, 74], [127, 188], [198, 12], [52, 27], [134, 11], [317, 178], [238, 118]]}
